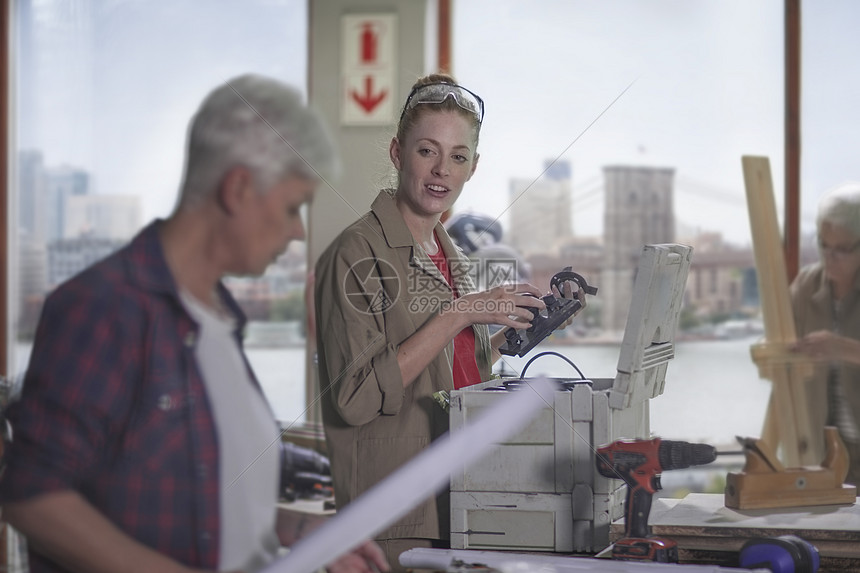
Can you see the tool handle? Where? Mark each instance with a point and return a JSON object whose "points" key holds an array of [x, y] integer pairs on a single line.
{"points": [[637, 507], [568, 275]]}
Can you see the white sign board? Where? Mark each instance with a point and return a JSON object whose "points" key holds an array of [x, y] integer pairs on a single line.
{"points": [[368, 65]]}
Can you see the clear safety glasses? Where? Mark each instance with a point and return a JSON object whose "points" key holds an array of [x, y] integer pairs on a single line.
{"points": [[837, 252], [439, 92]]}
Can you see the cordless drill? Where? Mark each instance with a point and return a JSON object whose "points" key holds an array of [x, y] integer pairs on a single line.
{"points": [[639, 463]]}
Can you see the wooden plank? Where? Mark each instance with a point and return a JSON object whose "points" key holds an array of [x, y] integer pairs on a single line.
{"points": [[793, 439], [826, 547], [708, 532], [706, 512], [769, 353], [755, 493]]}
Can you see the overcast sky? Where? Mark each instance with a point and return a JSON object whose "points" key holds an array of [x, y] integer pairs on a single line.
{"points": [[118, 80], [707, 88]]}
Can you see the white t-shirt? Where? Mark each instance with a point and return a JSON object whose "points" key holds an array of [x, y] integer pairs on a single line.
{"points": [[248, 442]]}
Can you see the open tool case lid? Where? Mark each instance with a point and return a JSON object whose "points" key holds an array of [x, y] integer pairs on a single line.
{"points": [[649, 336]]}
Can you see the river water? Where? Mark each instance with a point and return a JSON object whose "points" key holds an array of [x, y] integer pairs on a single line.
{"points": [[712, 392]]}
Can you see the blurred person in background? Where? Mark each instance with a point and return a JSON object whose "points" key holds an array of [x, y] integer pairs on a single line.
{"points": [[826, 301], [493, 262]]}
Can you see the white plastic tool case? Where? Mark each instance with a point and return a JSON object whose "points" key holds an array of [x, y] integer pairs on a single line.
{"points": [[540, 491]]}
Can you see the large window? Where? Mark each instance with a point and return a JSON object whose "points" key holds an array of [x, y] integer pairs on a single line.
{"points": [[831, 88], [579, 95], [635, 102], [105, 91]]}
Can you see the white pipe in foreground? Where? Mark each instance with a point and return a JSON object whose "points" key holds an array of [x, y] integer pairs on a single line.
{"points": [[443, 559]]}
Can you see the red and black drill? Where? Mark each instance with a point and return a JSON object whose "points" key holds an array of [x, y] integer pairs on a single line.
{"points": [[639, 463]]}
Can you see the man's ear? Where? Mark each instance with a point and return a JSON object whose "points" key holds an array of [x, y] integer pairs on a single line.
{"points": [[394, 152], [234, 188]]}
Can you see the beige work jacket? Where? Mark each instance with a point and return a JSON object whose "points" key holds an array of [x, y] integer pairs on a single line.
{"points": [[374, 288], [813, 310]]}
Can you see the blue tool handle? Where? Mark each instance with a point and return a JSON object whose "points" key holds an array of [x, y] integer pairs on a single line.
{"points": [[783, 554]]}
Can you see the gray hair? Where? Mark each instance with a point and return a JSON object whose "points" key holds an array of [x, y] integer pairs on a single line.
{"points": [[841, 207], [262, 124]]}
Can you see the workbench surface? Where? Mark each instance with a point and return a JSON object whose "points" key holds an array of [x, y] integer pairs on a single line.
{"points": [[709, 532]]}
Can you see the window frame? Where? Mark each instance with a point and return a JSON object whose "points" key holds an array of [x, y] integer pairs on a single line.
{"points": [[5, 178]]}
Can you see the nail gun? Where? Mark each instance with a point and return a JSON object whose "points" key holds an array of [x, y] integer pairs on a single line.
{"points": [[558, 309]]}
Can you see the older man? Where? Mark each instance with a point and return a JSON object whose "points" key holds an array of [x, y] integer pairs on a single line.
{"points": [[142, 439], [825, 297]]}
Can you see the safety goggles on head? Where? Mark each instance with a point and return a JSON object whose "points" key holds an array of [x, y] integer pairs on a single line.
{"points": [[437, 93]]}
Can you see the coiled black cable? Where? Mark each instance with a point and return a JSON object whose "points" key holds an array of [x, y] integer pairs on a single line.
{"points": [[562, 356]]}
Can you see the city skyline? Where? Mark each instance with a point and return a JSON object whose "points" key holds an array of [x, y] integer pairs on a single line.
{"points": [[685, 85], [57, 202], [638, 203], [81, 211]]}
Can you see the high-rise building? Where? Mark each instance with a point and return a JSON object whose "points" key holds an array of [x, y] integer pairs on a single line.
{"points": [[61, 184], [540, 211], [638, 211], [32, 282], [68, 257], [31, 188], [104, 216]]}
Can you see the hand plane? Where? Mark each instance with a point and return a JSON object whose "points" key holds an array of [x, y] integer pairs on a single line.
{"points": [[765, 482], [558, 309]]}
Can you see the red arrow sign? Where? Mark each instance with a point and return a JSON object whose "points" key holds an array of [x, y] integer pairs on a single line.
{"points": [[368, 100], [368, 44]]}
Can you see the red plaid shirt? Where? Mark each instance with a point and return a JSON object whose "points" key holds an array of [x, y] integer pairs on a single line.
{"points": [[114, 407]]}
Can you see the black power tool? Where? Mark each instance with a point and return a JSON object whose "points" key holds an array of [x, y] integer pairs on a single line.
{"points": [[305, 474], [558, 309]]}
